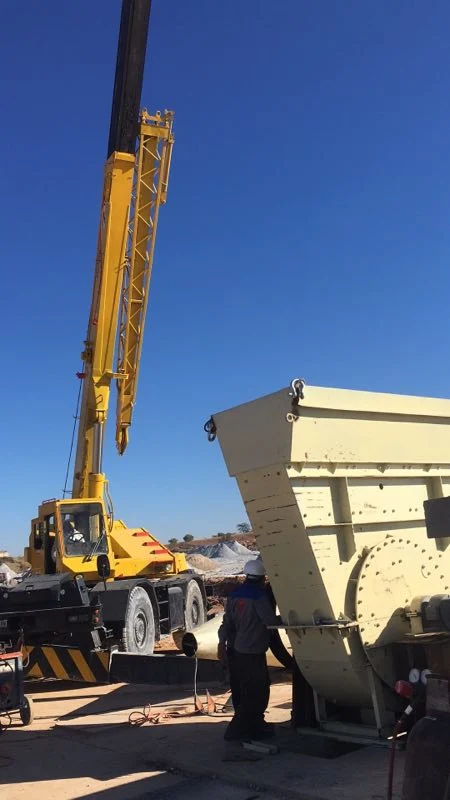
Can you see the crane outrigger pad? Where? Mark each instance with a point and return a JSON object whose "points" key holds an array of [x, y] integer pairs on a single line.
{"points": [[101, 666], [67, 663], [162, 669]]}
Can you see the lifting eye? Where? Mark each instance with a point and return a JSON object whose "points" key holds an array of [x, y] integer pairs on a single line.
{"points": [[381, 486]]}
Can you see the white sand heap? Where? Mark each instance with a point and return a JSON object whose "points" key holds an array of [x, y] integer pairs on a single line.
{"points": [[227, 558]]}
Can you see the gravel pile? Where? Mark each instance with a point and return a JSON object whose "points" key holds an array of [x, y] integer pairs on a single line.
{"points": [[241, 549], [201, 563], [227, 558], [7, 575], [219, 550]]}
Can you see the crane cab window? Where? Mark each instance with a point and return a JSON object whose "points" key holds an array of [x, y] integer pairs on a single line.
{"points": [[37, 538], [46, 533], [83, 529]]}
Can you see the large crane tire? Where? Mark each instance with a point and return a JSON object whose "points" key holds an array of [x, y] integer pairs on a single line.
{"points": [[195, 612], [139, 628]]}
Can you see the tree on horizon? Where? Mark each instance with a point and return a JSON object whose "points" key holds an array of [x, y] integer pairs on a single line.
{"points": [[243, 527]]}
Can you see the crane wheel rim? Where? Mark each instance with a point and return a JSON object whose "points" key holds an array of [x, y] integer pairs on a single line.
{"points": [[140, 629], [195, 613]]}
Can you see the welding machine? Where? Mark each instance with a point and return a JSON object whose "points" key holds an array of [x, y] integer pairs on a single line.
{"points": [[12, 698]]}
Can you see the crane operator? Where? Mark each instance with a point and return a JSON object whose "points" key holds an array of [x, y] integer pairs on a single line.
{"points": [[71, 534], [74, 540], [243, 641]]}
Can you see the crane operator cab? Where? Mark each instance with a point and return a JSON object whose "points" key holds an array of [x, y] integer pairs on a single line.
{"points": [[68, 536]]}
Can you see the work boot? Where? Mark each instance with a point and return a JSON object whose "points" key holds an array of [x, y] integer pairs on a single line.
{"points": [[234, 732], [265, 730]]}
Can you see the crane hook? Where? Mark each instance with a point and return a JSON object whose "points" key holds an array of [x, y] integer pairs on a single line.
{"points": [[297, 394], [210, 429]]}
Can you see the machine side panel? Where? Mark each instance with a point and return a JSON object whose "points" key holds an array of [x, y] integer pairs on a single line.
{"points": [[297, 578], [335, 427]]}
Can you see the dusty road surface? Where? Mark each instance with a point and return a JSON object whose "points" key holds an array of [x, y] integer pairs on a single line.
{"points": [[81, 746]]}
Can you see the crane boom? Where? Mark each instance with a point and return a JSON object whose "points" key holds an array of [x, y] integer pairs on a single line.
{"points": [[135, 185], [151, 179], [99, 346], [129, 75]]}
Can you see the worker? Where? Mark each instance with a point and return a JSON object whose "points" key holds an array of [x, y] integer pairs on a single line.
{"points": [[74, 541], [71, 534], [243, 642]]}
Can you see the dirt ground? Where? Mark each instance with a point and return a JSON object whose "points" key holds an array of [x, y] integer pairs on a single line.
{"points": [[82, 746]]}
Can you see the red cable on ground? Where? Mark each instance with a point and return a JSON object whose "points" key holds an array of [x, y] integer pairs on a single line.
{"points": [[138, 718], [392, 760]]}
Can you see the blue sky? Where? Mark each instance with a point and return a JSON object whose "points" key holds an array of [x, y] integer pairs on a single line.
{"points": [[306, 232]]}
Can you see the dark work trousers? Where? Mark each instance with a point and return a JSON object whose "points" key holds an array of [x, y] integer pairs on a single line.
{"points": [[235, 684], [250, 689]]}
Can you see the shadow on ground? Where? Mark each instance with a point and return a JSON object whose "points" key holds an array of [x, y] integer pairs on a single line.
{"points": [[91, 751]]}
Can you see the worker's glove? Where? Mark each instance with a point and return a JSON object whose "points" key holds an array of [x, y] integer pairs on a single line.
{"points": [[222, 654]]}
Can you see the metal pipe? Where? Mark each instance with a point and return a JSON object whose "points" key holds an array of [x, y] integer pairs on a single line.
{"points": [[204, 640]]}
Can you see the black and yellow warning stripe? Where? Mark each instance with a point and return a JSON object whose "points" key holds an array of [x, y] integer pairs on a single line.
{"points": [[66, 663]]}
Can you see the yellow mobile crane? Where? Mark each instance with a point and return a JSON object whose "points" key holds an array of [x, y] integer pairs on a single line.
{"points": [[132, 589]]}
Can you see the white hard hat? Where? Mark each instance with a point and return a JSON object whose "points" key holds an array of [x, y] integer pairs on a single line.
{"points": [[255, 568]]}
